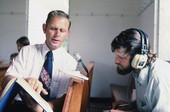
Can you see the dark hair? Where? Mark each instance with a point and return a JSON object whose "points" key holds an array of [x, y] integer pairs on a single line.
{"points": [[58, 13], [130, 40], [23, 41], [13, 55]]}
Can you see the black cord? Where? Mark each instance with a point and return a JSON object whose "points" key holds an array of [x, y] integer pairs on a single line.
{"points": [[83, 65]]}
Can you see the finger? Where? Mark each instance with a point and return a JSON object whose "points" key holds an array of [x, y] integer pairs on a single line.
{"points": [[114, 104], [41, 89], [112, 110], [37, 84], [30, 82], [44, 91]]}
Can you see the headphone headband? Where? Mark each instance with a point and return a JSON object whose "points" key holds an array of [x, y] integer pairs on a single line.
{"points": [[144, 42]]}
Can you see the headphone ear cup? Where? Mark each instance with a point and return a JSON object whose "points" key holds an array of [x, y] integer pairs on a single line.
{"points": [[139, 61]]}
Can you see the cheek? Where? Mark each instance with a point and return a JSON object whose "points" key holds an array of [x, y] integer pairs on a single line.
{"points": [[64, 36], [63, 39], [125, 64], [49, 36], [50, 33]]}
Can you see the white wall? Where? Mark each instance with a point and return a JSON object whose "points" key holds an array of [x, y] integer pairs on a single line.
{"points": [[91, 35], [164, 30], [147, 24], [94, 25], [12, 26]]}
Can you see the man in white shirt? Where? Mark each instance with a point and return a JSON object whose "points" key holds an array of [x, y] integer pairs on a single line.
{"points": [[28, 64], [132, 55]]}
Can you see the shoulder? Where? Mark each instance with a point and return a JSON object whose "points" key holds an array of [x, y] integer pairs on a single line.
{"points": [[64, 58], [31, 51], [160, 70], [67, 55], [32, 48], [160, 66], [35, 46]]}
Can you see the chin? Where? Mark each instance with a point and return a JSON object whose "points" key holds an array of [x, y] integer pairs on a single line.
{"points": [[124, 71], [53, 47]]}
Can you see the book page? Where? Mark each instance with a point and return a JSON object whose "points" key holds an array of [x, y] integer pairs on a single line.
{"points": [[34, 94], [75, 74]]}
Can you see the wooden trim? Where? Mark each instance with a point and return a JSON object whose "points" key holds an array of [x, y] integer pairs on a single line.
{"points": [[3, 69], [78, 94]]}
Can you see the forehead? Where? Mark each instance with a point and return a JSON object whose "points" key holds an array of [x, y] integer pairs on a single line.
{"points": [[121, 52], [59, 22], [59, 19]]}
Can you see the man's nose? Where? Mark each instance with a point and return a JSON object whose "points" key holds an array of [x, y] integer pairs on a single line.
{"points": [[57, 33], [117, 60]]}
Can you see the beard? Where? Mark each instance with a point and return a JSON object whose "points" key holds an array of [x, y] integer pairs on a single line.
{"points": [[124, 71]]}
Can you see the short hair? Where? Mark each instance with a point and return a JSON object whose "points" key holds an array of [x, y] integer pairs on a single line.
{"points": [[130, 40], [58, 13], [23, 41]]}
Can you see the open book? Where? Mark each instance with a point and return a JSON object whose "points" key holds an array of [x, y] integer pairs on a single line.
{"points": [[75, 74], [13, 87]]}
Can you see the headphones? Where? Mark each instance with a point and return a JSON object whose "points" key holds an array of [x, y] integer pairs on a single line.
{"points": [[140, 60]]}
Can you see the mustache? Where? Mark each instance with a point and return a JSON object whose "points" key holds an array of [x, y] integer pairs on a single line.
{"points": [[124, 71], [119, 65]]}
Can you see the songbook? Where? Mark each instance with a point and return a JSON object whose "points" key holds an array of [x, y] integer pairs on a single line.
{"points": [[13, 88], [75, 74]]}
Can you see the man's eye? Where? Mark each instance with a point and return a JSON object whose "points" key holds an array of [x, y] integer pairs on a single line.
{"points": [[52, 28], [122, 58], [62, 30]]}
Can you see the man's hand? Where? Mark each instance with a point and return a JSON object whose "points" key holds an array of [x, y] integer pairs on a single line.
{"points": [[117, 110], [120, 105], [36, 85]]}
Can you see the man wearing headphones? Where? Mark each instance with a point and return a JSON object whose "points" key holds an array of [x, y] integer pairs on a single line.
{"points": [[132, 55]]}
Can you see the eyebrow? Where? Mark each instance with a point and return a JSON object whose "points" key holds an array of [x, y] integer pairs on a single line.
{"points": [[123, 56]]}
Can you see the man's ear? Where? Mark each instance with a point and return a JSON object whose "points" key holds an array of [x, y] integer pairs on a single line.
{"points": [[67, 34], [44, 28]]}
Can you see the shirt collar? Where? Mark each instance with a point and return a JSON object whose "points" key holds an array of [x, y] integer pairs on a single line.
{"points": [[45, 50], [56, 52], [142, 76]]}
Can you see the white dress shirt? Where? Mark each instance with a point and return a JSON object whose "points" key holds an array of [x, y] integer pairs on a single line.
{"points": [[30, 61]]}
